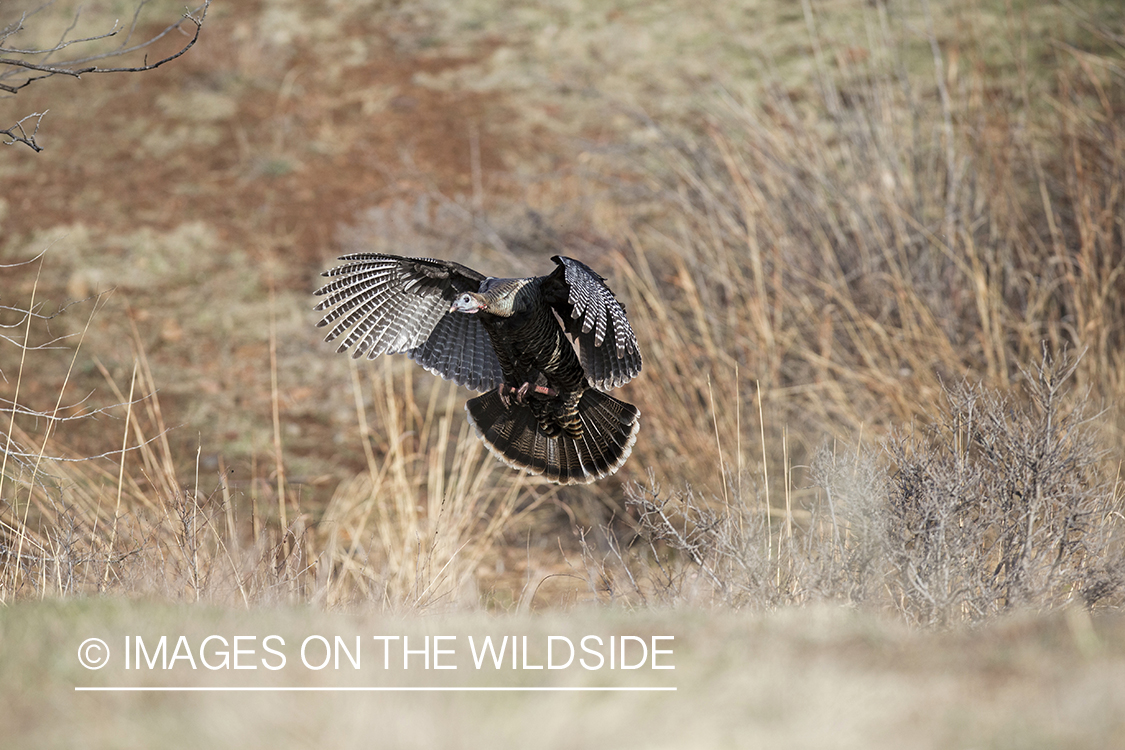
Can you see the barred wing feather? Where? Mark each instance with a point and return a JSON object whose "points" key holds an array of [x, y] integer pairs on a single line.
{"points": [[592, 315], [459, 349], [384, 304]]}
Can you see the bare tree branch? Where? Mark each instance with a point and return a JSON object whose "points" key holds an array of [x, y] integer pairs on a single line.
{"points": [[19, 134], [63, 44], [35, 63]]}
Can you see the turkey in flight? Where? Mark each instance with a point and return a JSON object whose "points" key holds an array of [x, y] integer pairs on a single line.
{"points": [[543, 407]]}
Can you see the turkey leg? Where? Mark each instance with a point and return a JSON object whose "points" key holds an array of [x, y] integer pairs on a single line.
{"points": [[521, 393]]}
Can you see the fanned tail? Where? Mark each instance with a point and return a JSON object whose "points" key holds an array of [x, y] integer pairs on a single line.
{"points": [[513, 435]]}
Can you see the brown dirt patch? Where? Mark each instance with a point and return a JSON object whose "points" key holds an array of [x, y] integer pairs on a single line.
{"points": [[273, 149]]}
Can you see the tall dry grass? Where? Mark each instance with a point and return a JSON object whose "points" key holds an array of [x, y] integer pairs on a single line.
{"points": [[407, 534], [847, 252], [825, 270], [414, 529], [997, 503]]}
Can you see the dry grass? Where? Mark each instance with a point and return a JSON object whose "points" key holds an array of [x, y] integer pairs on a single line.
{"points": [[812, 270], [413, 531], [849, 263], [1000, 504], [408, 534]]}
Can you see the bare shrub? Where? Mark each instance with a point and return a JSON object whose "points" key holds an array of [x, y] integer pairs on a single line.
{"points": [[701, 552], [693, 549], [1001, 504]]}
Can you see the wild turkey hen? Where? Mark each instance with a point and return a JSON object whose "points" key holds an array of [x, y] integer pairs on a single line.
{"points": [[544, 409]]}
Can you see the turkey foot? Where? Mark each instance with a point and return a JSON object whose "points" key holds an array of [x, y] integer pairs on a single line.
{"points": [[521, 393]]}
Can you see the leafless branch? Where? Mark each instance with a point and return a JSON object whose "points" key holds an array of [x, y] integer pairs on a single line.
{"points": [[35, 63], [67, 68], [63, 43], [18, 133]]}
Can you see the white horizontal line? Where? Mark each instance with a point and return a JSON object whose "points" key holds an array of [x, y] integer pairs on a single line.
{"points": [[243, 689]]}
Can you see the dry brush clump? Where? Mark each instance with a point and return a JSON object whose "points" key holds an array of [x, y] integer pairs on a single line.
{"points": [[1002, 503], [690, 548], [996, 503]]}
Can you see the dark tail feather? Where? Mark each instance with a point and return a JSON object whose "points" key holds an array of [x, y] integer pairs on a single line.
{"points": [[609, 429]]}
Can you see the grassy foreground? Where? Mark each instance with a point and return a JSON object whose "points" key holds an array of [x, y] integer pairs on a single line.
{"points": [[813, 677]]}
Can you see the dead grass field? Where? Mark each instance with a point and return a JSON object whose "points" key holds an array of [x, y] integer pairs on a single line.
{"points": [[875, 257]]}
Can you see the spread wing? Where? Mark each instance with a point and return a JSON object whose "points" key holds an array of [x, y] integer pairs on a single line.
{"points": [[389, 305], [591, 314]]}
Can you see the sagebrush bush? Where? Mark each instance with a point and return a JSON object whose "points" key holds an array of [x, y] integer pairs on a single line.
{"points": [[996, 502], [1003, 502]]}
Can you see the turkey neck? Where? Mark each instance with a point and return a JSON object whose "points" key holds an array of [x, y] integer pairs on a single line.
{"points": [[530, 342]]}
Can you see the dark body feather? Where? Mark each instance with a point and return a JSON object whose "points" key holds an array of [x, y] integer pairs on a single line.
{"points": [[544, 410]]}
